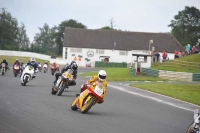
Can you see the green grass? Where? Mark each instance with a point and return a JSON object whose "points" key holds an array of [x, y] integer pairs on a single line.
{"points": [[11, 59], [186, 92], [178, 67], [122, 74]]}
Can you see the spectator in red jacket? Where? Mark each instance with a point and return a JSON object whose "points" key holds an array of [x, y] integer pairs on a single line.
{"points": [[164, 55]]}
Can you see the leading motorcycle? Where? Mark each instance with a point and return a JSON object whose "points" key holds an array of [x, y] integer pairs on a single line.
{"points": [[27, 75], [3, 68], [63, 82], [88, 98], [195, 126]]}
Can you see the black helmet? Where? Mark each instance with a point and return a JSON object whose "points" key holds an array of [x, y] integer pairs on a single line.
{"points": [[74, 66], [4, 60], [73, 62]]}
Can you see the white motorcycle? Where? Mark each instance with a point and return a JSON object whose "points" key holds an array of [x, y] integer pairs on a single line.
{"points": [[195, 126], [45, 67], [27, 75], [40, 67], [3, 68]]}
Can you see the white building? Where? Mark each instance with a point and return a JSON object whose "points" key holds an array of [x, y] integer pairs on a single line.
{"points": [[87, 46]]}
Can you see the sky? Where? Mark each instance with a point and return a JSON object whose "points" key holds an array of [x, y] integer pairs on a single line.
{"points": [[130, 15]]}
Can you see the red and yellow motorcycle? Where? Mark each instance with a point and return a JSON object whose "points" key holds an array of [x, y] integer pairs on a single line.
{"points": [[88, 98]]}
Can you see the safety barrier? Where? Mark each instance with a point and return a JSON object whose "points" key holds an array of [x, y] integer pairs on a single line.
{"points": [[171, 75], [132, 71]]}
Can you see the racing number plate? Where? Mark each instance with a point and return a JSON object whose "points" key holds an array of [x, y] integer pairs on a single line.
{"points": [[98, 90]]}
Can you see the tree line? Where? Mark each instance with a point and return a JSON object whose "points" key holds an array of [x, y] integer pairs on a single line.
{"points": [[185, 27]]}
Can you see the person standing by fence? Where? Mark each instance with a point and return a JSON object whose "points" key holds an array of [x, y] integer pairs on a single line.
{"points": [[164, 55]]}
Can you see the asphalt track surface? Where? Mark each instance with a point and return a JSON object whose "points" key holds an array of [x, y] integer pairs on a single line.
{"points": [[32, 109]]}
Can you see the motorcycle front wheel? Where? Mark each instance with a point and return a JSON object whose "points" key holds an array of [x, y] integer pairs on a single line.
{"points": [[25, 81], [190, 130], [62, 88], [88, 105], [73, 106]]}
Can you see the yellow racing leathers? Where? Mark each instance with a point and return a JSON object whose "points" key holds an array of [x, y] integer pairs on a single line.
{"points": [[93, 80]]}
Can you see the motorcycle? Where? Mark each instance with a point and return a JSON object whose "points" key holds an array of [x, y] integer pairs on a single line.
{"points": [[40, 67], [3, 68], [45, 67], [88, 98], [54, 69], [63, 82], [16, 70], [195, 126], [27, 75]]}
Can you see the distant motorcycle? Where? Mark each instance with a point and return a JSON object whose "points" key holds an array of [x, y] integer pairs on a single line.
{"points": [[45, 67], [54, 69], [27, 75], [3, 68], [195, 126], [16, 70], [88, 98], [40, 67], [62, 82]]}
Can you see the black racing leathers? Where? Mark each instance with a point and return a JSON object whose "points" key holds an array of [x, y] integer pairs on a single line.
{"points": [[62, 71]]}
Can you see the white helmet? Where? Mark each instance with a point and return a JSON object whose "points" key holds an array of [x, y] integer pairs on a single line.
{"points": [[102, 75]]}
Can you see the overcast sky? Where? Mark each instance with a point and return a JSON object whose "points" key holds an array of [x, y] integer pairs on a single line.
{"points": [[130, 15]]}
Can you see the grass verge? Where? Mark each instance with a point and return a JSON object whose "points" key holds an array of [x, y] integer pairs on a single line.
{"points": [[11, 59], [186, 92], [122, 74]]}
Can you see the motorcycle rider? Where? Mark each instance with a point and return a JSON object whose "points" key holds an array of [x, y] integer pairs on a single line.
{"points": [[33, 63], [46, 63], [101, 78], [55, 66], [73, 66], [16, 63], [4, 61]]}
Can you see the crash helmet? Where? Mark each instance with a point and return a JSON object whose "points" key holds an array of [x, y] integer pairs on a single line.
{"points": [[74, 66], [102, 75], [32, 61], [73, 62], [17, 60], [54, 63], [4, 60], [38, 62]]}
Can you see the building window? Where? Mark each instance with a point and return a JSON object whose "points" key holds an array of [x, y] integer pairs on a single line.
{"points": [[76, 50], [123, 52], [100, 51]]}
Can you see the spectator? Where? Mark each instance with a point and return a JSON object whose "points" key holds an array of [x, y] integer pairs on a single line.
{"points": [[187, 49], [182, 53], [179, 54], [176, 54], [194, 50], [157, 56], [164, 55]]}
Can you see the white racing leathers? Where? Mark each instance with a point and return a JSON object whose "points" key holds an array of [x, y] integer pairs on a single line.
{"points": [[27, 75]]}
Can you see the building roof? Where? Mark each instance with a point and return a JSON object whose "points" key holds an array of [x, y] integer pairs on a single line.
{"points": [[119, 40]]}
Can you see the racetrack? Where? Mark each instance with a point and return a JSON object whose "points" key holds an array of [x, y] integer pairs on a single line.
{"points": [[32, 109]]}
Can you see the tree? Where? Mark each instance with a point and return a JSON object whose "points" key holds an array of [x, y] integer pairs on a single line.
{"points": [[12, 37], [186, 26], [106, 28], [61, 29]]}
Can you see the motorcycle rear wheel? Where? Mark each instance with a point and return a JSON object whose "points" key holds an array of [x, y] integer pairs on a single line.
{"points": [[73, 106], [60, 90], [88, 105]]}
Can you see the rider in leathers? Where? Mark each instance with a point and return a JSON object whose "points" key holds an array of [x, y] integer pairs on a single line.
{"points": [[72, 66], [101, 78], [4, 61]]}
